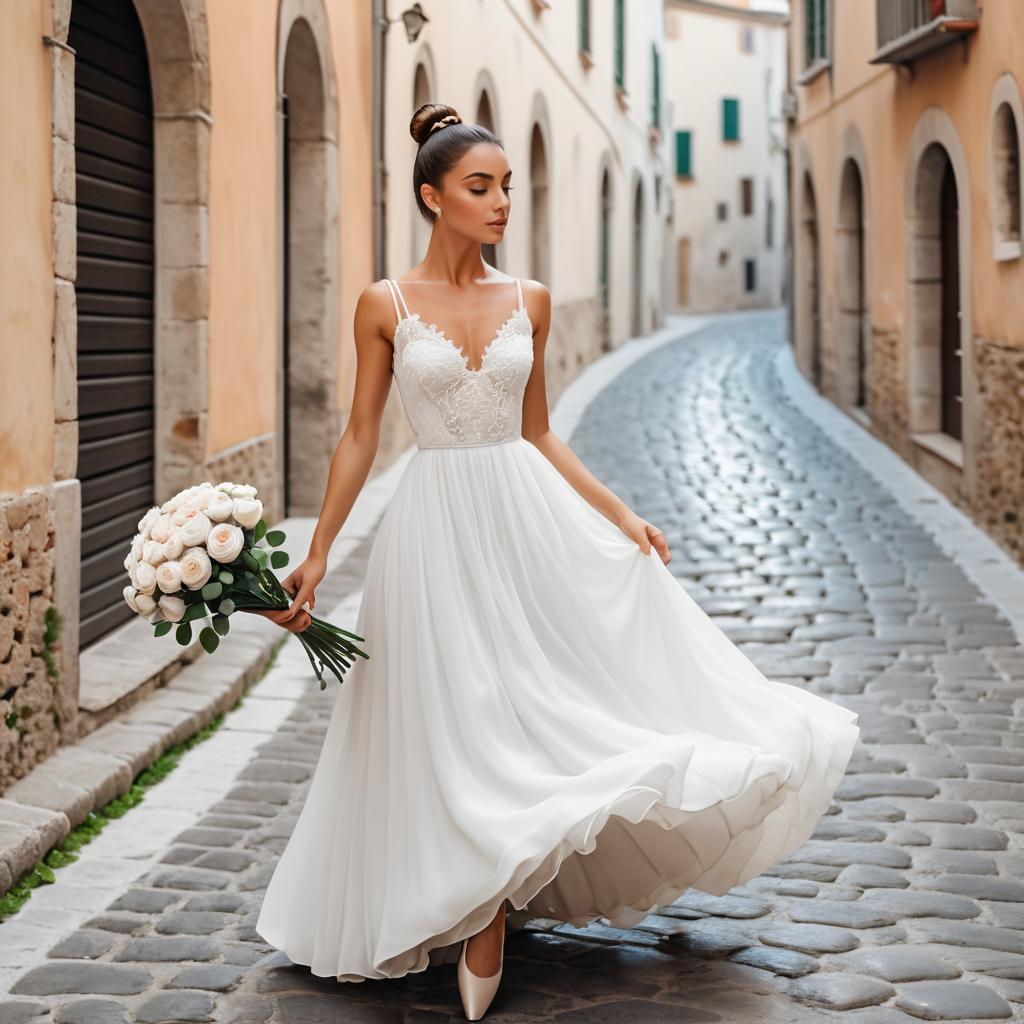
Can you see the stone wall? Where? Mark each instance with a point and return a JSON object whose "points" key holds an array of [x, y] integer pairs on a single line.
{"points": [[38, 708], [998, 498], [886, 389]]}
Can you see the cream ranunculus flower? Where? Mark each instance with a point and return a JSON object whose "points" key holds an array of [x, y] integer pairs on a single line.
{"points": [[174, 546], [147, 521], [168, 577], [225, 542], [220, 508], [196, 568], [247, 511], [145, 603], [129, 596], [145, 575], [243, 491], [153, 552], [136, 549], [172, 607], [162, 528], [195, 528]]}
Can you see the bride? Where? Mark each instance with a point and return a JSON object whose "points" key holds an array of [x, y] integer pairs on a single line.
{"points": [[546, 718]]}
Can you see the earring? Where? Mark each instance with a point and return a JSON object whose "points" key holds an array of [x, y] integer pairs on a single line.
{"points": [[438, 211]]}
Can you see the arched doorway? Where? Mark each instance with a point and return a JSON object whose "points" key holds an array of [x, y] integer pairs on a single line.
{"points": [[636, 320], [115, 299], [485, 117], [309, 327], [540, 228], [810, 278], [934, 299], [604, 259], [853, 319]]}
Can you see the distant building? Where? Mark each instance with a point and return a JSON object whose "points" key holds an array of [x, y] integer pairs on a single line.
{"points": [[907, 195], [726, 74]]}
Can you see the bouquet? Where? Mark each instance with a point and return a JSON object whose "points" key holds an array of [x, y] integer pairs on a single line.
{"points": [[199, 556]]}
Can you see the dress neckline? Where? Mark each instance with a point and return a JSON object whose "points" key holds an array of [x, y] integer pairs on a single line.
{"points": [[441, 336]]}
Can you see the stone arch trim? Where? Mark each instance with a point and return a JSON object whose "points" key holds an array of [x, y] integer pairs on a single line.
{"points": [[485, 83], [1005, 91], [935, 128], [852, 320], [806, 270], [309, 318]]}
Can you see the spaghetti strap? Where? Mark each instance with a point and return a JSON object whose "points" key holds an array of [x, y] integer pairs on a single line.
{"points": [[398, 312], [401, 296], [519, 290]]}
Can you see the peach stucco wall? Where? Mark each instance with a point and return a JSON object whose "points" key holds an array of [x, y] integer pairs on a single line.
{"points": [[883, 106], [26, 269], [244, 185]]}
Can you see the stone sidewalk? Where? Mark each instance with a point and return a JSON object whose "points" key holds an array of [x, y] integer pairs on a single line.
{"points": [[906, 903]]}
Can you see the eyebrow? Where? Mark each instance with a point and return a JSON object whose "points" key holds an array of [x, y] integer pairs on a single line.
{"points": [[482, 174]]}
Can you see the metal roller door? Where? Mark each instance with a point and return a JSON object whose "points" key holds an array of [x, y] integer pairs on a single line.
{"points": [[114, 181]]}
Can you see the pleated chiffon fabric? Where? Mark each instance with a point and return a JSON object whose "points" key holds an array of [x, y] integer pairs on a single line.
{"points": [[546, 717]]}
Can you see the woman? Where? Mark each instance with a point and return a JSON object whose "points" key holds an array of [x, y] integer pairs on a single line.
{"points": [[546, 717]]}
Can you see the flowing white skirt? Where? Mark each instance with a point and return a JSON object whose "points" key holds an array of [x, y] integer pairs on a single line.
{"points": [[545, 716]]}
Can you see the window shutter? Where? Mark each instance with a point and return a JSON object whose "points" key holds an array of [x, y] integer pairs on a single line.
{"points": [[655, 86], [584, 25], [620, 56], [730, 119], [683, 155]]}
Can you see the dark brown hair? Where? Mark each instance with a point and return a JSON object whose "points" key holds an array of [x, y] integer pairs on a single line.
{"points": [[441, 146]]}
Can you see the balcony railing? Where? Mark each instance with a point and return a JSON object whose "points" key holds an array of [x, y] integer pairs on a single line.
{"points": [[911, 28]]}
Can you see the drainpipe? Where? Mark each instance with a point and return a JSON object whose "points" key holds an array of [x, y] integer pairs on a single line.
{"points": [[380, 27]]}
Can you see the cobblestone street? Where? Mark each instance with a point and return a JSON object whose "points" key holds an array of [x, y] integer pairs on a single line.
{"points": [[908, 902]]}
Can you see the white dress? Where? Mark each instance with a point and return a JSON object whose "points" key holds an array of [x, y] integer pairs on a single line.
{"points": [[545, 716]]}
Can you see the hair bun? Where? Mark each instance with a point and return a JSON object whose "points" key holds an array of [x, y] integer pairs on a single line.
{"points": [[430, 119]]}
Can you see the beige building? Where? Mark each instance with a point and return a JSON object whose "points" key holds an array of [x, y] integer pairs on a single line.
{"points": [[726, 80], [176, 179], [194, 193], [908, 274]]}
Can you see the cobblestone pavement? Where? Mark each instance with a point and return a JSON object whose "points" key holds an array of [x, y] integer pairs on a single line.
{"points": [[905, 904]]}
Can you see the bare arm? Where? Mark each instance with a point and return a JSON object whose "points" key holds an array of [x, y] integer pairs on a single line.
{"points": [[355, 452], [537, 430]]}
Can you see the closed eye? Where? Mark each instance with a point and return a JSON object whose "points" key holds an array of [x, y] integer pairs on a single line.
{"points": [[483, 191]]}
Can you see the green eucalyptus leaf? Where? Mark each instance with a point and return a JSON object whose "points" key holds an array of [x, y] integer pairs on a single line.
{"points": [[279, 559], [163, 628], [261, 556], [195, 611], [209, 639], [251, 562], [183, 634], [212, 590], [276, 538], [221, 623], [260, 530], [225, 577], [226, 607]]}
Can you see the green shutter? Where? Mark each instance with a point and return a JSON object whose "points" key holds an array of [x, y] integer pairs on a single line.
{"points": [[810, 35], [683, 155], [730, 119], [584, 25], [655, 86], [620, 54]]}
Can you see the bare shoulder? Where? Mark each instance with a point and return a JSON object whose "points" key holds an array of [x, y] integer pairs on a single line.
{"points": [[375, 307], [537, 299]]}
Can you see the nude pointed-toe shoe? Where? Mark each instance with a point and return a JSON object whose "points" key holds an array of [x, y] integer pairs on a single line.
{"points": [[477, 992]]}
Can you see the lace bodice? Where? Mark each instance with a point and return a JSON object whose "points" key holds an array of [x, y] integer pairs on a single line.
{"points": [[448, 402]]}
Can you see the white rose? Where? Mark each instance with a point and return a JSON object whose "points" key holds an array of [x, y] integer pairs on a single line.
{"points": [[147, 521], [195, 528], [145, 575], [226, 486], [172, 607], [225, 542], [243, 491], [129, 596], [153, 552], [168, 577], [162, 528], [247, 511], [196, 568], [145, 603], [220, 507], [136, 551], [174, 546]]}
